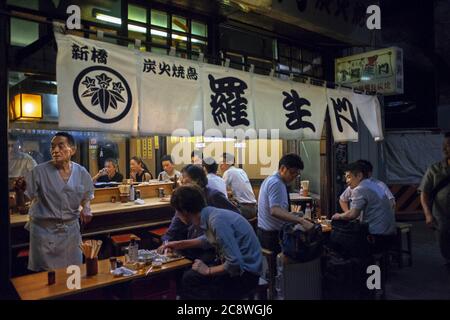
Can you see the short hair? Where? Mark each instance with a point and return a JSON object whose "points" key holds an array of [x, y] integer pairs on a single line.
{"points": [[210, 165], [113, 161], [197, 153], [355, 168], [196, 174], [70, 138], [167, 158], [291, 160], [367, 165], [190, 199], [228, 158]]}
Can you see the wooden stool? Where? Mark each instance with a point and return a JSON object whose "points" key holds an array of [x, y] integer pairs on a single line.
{"points": [[120, 241], [272, 265], [156, 234], [398, 250]]}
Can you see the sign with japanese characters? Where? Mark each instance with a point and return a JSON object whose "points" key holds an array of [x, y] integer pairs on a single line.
{"points": [[379, 70], [227, 102], [170, 94], [297, 109], [105, 87], [343, 115], [97, 86]]}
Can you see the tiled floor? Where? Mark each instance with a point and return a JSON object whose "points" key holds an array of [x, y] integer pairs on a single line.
{"points": [[428, 278]]}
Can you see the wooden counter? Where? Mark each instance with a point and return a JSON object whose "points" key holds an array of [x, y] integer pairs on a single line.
{"points": [[35, 287], [103, 208]]}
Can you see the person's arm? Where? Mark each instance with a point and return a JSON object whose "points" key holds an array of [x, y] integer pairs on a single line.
{"points": [[425, 201], [86, 213], [358, 203], [351, 214], [344, 205], [177, 230], [148, 176], [284, 215], [203, 269], [344, 199], [185, 244], [425, 188], [277, 198]]}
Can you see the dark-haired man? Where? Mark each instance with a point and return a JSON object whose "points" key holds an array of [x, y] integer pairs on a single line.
{"points": [[345, 197], [214, 181], [58, 188], [169, 173], [239, 250], [435, 199], [273, 203], [369, 197]]}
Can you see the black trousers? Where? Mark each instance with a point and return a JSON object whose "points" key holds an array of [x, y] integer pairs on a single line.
{"points": [[269, 240], [382, 243], [199, 287]]}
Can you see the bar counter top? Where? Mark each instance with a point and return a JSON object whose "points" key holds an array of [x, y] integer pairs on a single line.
{"points": [[98, 209]]}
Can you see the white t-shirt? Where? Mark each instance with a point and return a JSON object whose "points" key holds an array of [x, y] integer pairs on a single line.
{"points": [[346, 195], [216, 182], [20, 165], [237, 180]]}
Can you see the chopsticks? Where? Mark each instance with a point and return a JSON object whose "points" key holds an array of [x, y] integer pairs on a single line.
{"points": [[91, 248]]}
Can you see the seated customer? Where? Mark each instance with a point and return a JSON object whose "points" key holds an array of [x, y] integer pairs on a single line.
{"points": [[110, 173], [344, 199], [139, 171], [214, 181], [179, 230], [169, 173], [231, 234], [369, 197]]}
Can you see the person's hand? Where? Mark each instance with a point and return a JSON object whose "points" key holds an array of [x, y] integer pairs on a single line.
{"points": [[170, 246], [307, 225], [429, 221], [162, 249], [85, 215], [200, 267], [85, 218], [336, 216], [102, 172]]}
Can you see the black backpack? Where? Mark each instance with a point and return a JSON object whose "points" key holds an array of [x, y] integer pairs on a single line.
{"points": [[300, 245], [350, 238]]}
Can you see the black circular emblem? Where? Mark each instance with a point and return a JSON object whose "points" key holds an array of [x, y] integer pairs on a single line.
{"points": [[102, 94]]}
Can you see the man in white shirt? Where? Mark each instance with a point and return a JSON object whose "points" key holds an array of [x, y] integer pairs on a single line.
{"points": [[214, 181], [169, 173], [345, 197], [237, 180], [20, 163]]}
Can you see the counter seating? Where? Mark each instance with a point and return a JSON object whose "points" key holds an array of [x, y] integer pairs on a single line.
{"points": [[120, 241], [156, 234]]}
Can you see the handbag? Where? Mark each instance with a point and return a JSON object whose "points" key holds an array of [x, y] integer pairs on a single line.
{"points": [[300, 245], [350, 238]]}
